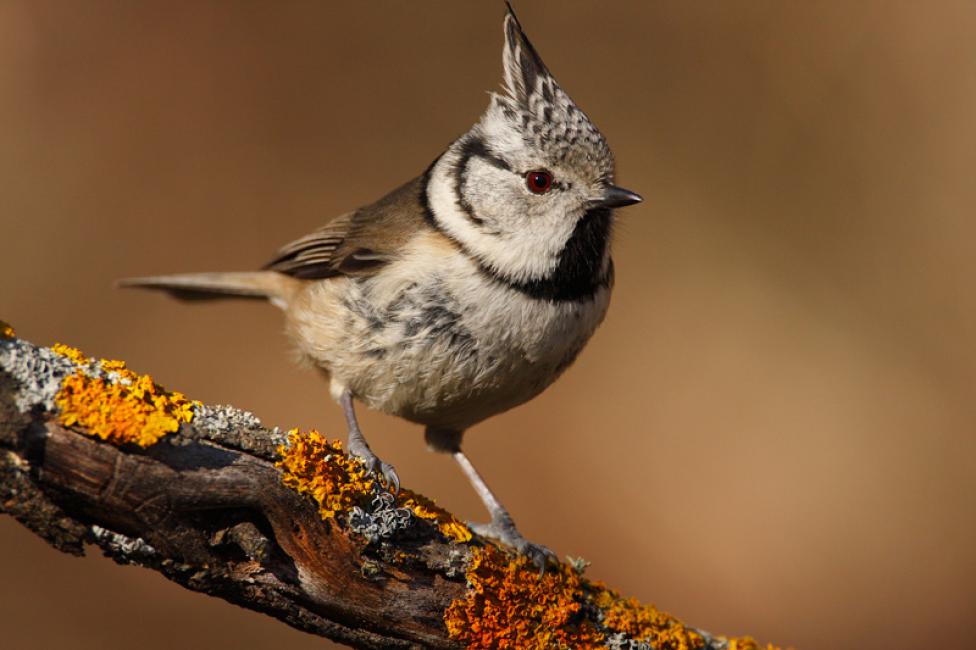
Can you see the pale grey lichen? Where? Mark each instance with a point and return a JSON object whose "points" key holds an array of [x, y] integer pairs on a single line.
{"points": [[578, 564], [37, 371], [621, 641], [457, 563], [713, 642], [131, 548], [216, 419], [382, 520], [278, 437]]}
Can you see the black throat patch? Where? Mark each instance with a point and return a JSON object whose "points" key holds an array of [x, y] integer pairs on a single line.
{"points": [[579, 274]]}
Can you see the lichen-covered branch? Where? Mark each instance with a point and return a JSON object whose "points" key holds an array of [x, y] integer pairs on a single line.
{"points": [[285, 524]]}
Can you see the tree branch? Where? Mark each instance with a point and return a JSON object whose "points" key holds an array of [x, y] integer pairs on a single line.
{"points": [[207, 507]]}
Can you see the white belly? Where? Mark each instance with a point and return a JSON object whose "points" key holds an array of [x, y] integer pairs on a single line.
{"points": [[433, 340]]}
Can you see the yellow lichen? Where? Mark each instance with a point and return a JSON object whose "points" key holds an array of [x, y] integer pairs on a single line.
{"points": [[748, 643], [318, 467], [70, 353], [130, 408], [449, 525], [7, 330]]}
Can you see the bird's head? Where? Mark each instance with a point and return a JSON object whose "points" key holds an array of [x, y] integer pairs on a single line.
{"points": [[529, 190]]}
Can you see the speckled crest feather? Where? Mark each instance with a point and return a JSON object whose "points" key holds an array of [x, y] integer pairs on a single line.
{"points": [[546, 115]]}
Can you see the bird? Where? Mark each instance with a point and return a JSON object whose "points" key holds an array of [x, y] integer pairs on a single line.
{"points": [[464, 292]]}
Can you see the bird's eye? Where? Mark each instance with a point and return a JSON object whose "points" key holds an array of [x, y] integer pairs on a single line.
{"points": [[539, 181]]}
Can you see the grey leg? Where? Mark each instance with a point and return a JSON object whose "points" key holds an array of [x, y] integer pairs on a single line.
{"points": [[359, 448], [501, 526]]}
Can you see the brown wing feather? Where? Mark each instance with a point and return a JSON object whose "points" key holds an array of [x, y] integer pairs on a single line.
{"points": [[356, 243], [311, 256]]}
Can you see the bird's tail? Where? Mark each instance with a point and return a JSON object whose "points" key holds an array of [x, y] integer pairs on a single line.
{"points": [[267, 285]]}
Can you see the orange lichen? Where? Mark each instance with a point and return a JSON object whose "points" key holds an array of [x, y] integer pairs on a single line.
{"points": [[7, 330], [129, 408], [318, 467], [508, 605], [645, 622]]}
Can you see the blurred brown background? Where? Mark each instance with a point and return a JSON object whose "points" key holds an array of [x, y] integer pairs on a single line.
{"points": [[772, 434]]}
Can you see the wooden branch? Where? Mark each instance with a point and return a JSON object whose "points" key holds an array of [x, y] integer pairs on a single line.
{"points": [[206, 506]]}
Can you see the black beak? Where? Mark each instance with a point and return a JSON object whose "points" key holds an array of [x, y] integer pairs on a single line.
{"points": [[618, 197]]}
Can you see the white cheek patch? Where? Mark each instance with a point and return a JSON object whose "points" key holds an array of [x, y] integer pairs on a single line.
{"points": [[517, 244], [489, 193]]}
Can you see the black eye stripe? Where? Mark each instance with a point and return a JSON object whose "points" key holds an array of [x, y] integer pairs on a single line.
{"points": [[475, 147]]}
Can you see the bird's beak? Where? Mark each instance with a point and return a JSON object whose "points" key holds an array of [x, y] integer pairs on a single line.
{"points": [[618, 197]]}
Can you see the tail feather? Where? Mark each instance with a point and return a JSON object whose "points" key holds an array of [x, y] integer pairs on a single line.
{"points": [[267, 285]]}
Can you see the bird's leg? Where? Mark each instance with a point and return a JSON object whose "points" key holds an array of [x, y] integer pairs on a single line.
{"points": [[501, 526], [359, 448]]}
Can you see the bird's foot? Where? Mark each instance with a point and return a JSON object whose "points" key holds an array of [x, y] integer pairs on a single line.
{"points": [[504, 531], [375, 466]]}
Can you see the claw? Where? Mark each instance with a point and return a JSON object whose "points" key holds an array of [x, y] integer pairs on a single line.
{"points": [[540, 556], [377, 468], [507, 534], [391, 476]]}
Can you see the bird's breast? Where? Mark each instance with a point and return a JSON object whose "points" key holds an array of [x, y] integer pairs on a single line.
{"points": [[434, 340]]}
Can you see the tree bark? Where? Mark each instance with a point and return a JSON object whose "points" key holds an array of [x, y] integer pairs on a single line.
{"points": [[205, 506]]}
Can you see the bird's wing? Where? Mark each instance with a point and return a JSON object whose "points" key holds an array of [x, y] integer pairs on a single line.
{"points": [[314, 255], [359, 242]]}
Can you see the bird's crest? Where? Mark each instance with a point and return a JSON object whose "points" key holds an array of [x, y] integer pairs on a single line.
{"points": [[547, 117]]}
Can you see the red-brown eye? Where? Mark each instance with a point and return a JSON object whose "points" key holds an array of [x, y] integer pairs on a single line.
{"points": [[539, 181]]}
